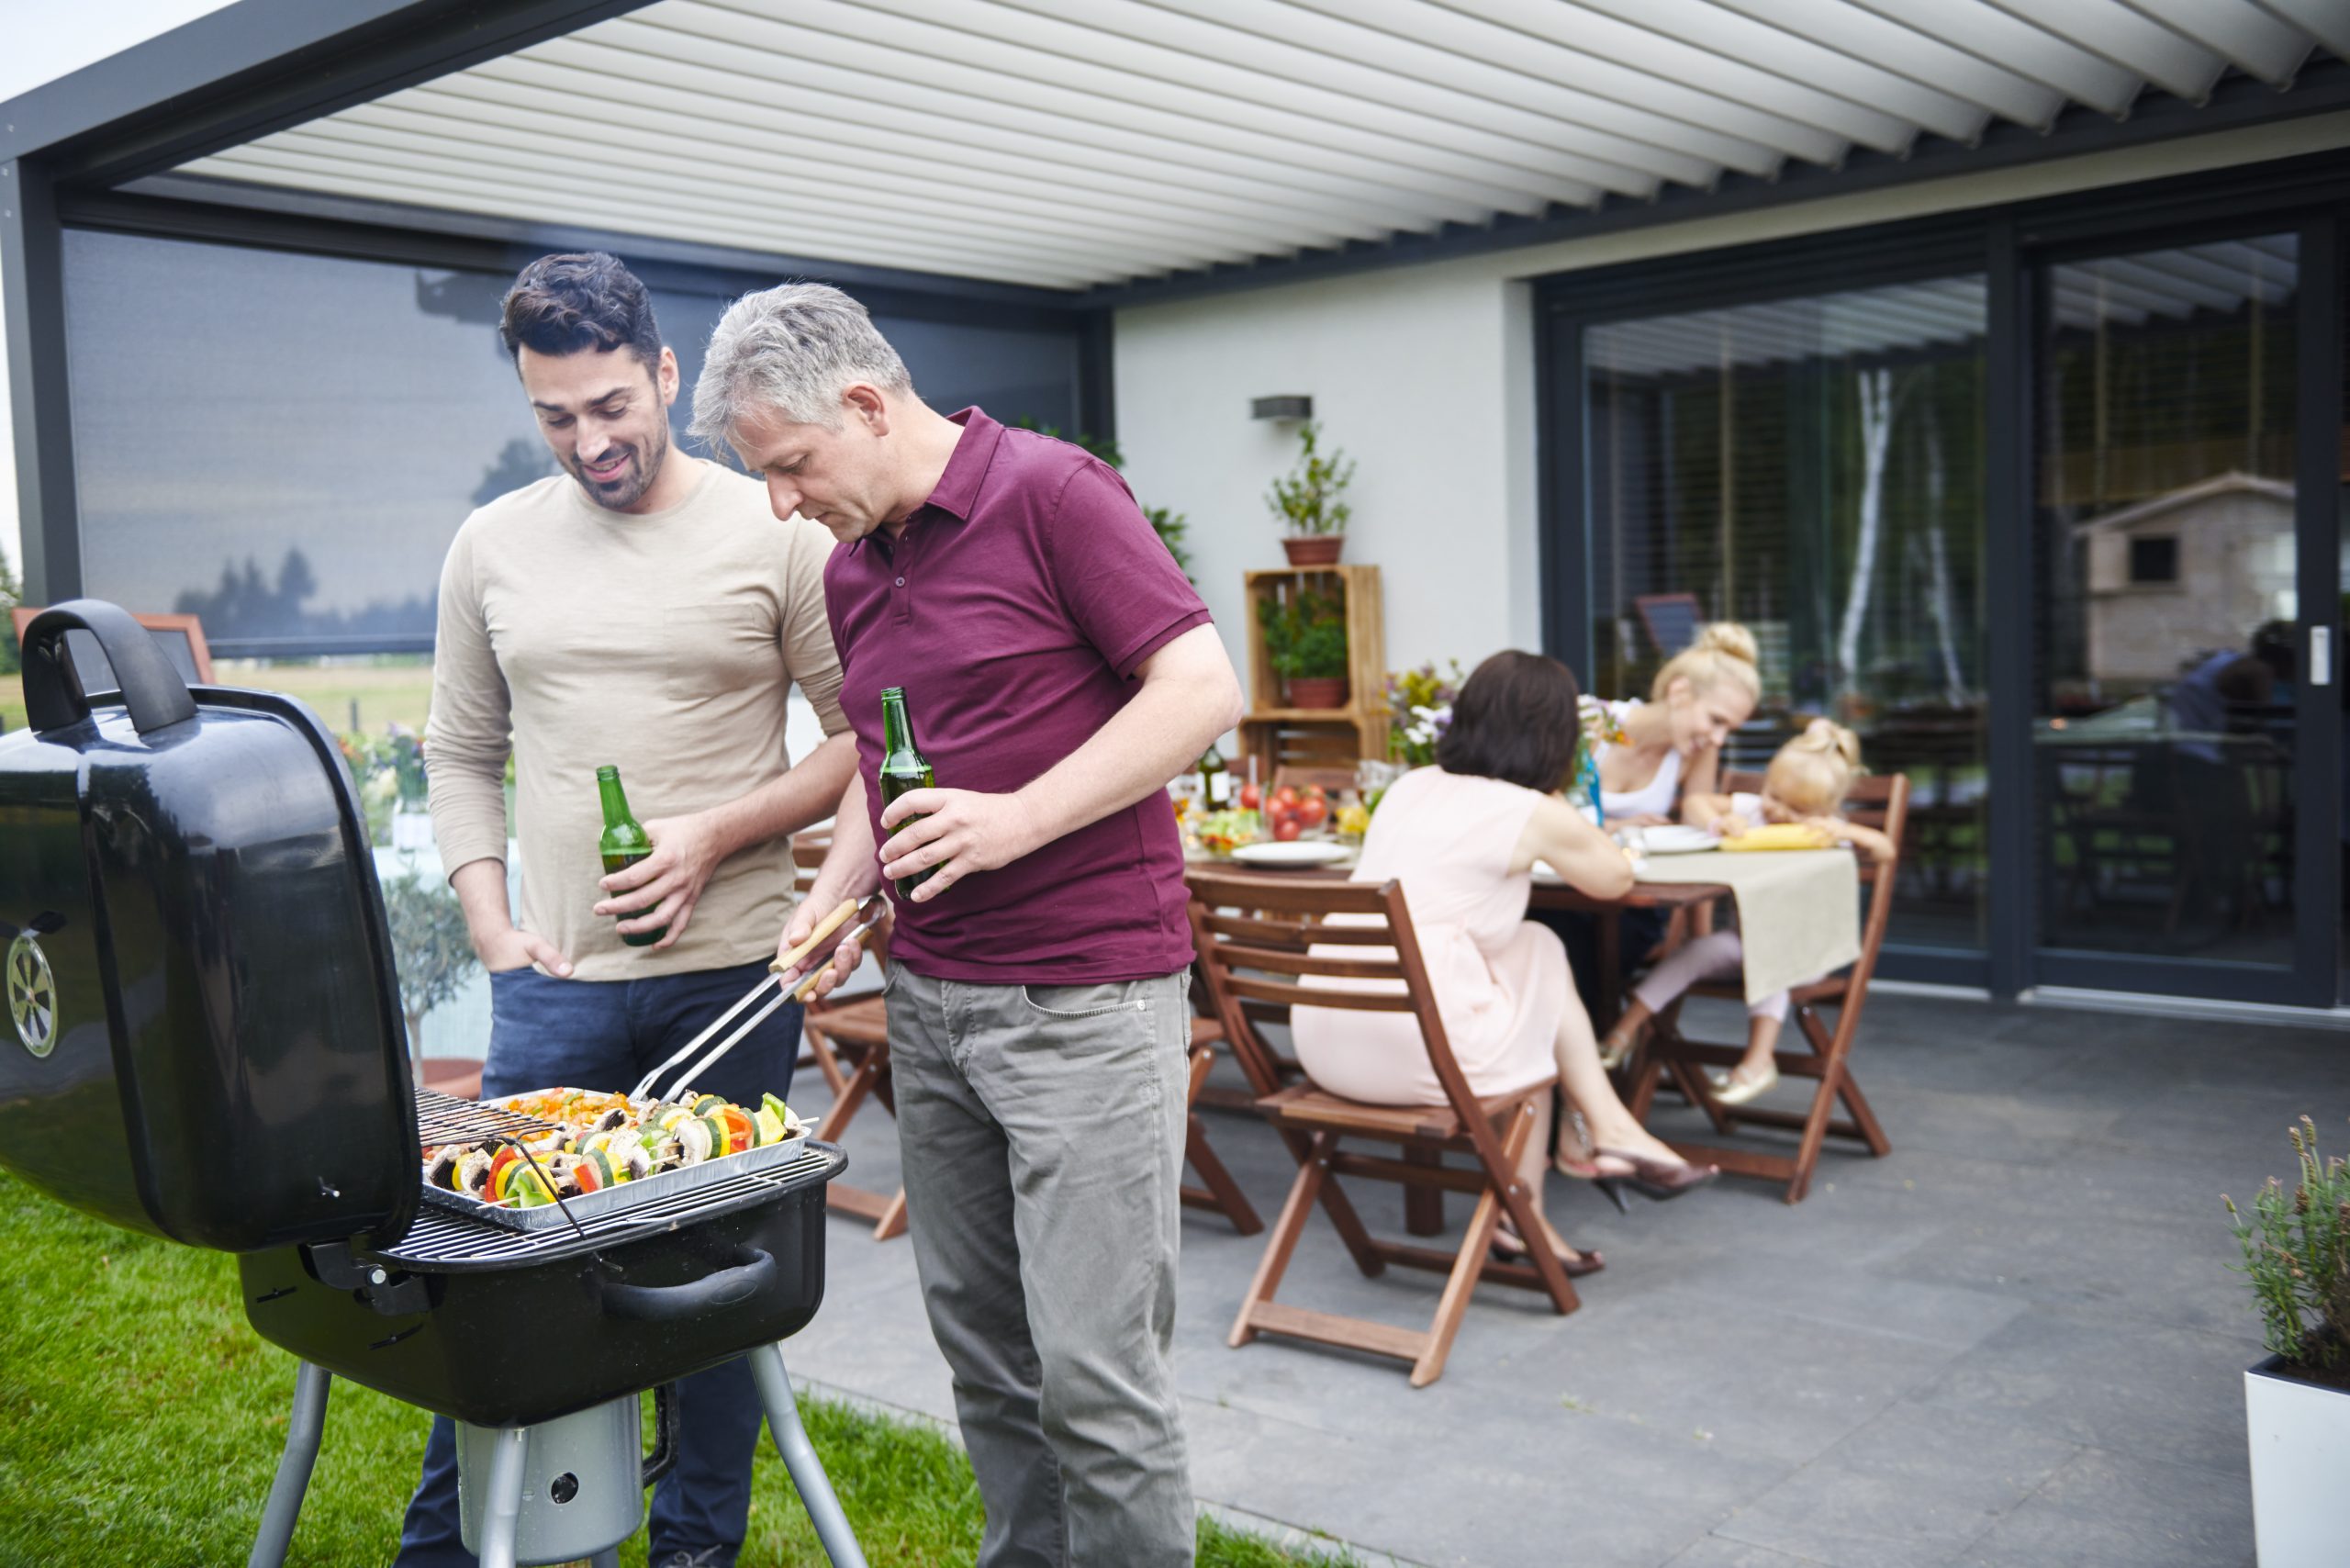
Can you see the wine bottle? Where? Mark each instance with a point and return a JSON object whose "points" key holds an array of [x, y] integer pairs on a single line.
{"points": [[1215, 780]]}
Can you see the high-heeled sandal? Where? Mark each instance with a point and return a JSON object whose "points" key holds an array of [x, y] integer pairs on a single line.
{"points": [[1508, 1246], [1657, 1179], [1617, 1045], [1589, 1170]]}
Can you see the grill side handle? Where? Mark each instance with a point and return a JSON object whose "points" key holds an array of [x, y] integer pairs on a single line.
{"points": [[753, 1271], [54, 700]]}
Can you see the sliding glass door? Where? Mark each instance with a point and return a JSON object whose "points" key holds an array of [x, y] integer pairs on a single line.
{"points": [[1812, 466], [2172, 692]]}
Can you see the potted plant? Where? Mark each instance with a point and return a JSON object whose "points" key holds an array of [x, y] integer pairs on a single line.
{"points": [[2297, 1403], [1305, 641], [1309, 502], [430, 948]]}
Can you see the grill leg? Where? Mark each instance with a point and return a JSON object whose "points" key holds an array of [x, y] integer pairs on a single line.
{"points": [[800, 1458], [501, 1511], [304, 1428]]}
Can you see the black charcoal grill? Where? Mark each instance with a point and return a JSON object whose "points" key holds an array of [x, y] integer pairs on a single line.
{"points": [[206, 1043]]}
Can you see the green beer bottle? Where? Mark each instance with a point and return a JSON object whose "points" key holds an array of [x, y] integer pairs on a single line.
{"points": [[622, 845], [902, 769]]}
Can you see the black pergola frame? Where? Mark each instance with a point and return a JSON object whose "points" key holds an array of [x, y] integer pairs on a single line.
{"points": [[2008, 245]]}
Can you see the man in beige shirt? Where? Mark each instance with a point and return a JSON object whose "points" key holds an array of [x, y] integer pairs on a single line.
{"points": [[643, 609]]}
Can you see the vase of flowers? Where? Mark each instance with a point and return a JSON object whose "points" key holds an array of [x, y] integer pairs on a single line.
{"points": [[1420, 709], [1310, 503], [2296, 1245], [1305, 642]]}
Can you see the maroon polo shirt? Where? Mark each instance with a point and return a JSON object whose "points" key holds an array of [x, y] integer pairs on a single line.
{"points": [[1014, 609]]}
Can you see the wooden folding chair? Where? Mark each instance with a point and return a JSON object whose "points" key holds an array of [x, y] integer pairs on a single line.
{"points": [[1215, 1189], [1254, 934], [848, 1037], [1881, 802]]}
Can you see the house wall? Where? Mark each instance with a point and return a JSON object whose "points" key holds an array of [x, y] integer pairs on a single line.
{"points": [[2235, 571], [45, 42], [1425, 374]]}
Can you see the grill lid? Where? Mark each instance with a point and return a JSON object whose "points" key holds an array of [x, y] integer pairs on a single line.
{"points": [[204, 1036]]}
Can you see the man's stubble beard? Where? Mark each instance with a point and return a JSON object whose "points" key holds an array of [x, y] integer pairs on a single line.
{"points": [[647, 471]]}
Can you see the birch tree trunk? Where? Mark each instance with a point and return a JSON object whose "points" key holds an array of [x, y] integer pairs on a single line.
{"points": [[1876, 443]]}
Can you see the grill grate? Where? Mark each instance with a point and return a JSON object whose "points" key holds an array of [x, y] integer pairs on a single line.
{"points": [[441, 1242], [444, 1118]]}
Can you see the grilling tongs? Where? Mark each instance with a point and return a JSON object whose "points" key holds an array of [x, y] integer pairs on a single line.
{"points": [[771, 981]]}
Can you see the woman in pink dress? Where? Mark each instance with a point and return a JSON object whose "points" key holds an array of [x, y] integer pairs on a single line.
{"points": [[1462, 837]]}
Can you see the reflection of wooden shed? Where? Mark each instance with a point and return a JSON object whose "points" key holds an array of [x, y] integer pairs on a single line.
{"points": [[2184, 573]]}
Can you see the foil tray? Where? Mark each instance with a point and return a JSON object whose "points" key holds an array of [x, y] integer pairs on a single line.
{"points": [[627, 1195]]}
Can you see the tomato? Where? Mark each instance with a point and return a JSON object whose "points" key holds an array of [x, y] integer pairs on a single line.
{"points": [[1251, 798], [1311, 810], [1285, 796], [1285, 829]]}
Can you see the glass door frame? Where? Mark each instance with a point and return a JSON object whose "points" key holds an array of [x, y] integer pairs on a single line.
{"points": [[2313, 978], [2008, 245]]}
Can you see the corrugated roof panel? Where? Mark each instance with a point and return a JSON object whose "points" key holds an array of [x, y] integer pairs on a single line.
{"points": [[1074, 143]]}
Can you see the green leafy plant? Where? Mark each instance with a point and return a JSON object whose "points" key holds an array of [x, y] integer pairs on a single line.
{"points": [[1309, 499], [12, 593], [1171, 527], [1305, 639], [2296, 1245], [430, 946]]}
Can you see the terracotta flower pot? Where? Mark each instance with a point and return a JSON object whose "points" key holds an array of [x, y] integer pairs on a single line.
{"points": [[1321, 691], [1315, 549]]}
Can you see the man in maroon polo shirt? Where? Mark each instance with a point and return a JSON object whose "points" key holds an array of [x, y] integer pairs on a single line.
{"points": [[1057, 670]]}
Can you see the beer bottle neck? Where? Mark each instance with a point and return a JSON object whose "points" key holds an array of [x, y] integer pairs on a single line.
{"points": [[616, 812], [895, 735]]}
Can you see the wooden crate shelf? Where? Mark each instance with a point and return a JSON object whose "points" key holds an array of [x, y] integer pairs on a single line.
{"points": [[1277, 734]]}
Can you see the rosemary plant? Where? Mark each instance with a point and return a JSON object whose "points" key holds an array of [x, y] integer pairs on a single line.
{"points": [[2296, 1254]]}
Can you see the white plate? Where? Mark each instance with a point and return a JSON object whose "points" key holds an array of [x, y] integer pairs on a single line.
{"points": [[1295, 852], [1677, 838]]}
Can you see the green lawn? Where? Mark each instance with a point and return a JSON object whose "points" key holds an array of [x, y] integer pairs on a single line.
{"points": [[392, 689], [144, 1421]]}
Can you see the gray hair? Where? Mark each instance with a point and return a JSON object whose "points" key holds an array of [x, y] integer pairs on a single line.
{"points": [[789, 350]]}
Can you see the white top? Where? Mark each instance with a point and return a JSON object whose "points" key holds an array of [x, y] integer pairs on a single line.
{"points": [[1654, 799]]}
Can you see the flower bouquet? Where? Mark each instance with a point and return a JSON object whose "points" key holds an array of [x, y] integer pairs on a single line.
{"points": [[1419, 704]]}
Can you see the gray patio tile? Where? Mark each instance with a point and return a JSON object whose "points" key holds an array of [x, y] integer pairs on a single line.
{"points": [[2104, 1511], [1906, 1491], [2146, 1272], [1720, 1551], [2174, 1396]]}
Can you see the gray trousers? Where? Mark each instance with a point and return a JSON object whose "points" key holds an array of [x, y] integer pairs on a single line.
{"points": [[1042, 1133]]}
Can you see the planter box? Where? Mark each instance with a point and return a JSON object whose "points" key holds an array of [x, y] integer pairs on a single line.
{"points": [[2299, 1435]]}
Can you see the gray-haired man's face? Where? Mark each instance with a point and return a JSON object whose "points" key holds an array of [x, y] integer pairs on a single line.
{"points": [[605, 416], [841, 477]]}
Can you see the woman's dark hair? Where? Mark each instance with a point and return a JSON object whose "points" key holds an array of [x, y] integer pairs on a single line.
{"points": [[566, 304], [1516, 719]]}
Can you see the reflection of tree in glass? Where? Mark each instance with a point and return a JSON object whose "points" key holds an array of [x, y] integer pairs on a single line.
{"points": [[520, 462], [11, 595], [245, 604]]}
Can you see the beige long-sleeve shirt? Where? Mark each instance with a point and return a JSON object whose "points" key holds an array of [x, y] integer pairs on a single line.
{"points": [[666, 643]]}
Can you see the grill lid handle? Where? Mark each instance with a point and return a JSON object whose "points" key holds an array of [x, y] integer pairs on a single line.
{"points": [[54, 700], [752, 1272]]}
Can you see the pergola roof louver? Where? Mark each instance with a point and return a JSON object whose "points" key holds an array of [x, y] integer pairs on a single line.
{"points": [[1082, 143]]}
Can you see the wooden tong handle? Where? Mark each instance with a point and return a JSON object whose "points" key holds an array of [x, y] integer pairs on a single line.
{"points": [[829, 923]]}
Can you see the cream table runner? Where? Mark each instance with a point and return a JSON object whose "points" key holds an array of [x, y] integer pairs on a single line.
{"points": [[1799, 910]]}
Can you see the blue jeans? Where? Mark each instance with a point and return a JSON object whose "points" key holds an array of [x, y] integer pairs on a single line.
{"points": [[546, 1033]]}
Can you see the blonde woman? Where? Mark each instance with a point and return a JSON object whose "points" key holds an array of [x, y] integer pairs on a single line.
{"points": [[1807, 781], [1672, 743]]}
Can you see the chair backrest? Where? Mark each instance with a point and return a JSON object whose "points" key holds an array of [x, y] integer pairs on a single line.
{"points": [[807, 851], [1300, 775], [1256, 936], [1880, 801]]}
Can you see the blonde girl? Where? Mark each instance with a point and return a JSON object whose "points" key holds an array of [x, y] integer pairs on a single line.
{"points": [[1805, 783]]}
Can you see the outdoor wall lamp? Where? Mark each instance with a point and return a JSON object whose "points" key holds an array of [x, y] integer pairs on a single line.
{"points": [[1290, 407]]}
